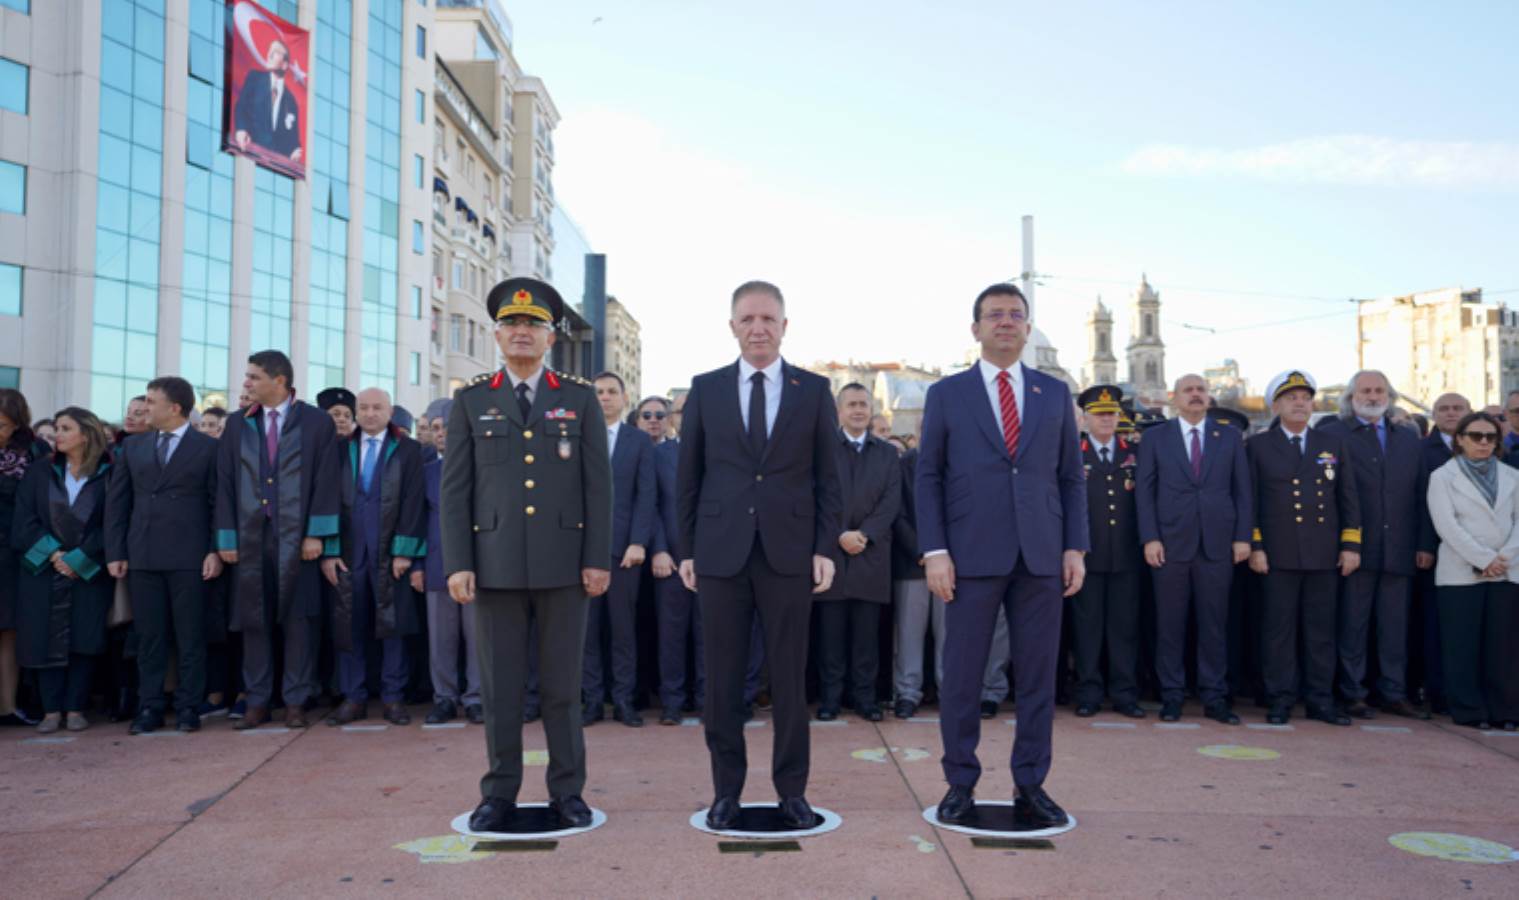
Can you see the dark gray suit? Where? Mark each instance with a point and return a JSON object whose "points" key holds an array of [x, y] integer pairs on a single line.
{"points": [[526, 505]]}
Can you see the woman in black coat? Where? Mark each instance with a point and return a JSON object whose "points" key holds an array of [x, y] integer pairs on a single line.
{"points": [[65, 593], [19, 448]]}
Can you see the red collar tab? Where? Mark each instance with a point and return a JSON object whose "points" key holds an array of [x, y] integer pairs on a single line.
{"points": [[551, 378], [497, 378], [1085, 446]]}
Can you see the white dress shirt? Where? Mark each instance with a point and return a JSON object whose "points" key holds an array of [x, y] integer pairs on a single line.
{"points": [[772, 374], [1187, 429], [279, 94], [989, 375], [857, 441], [1289, 435], [73, 485], [284, 415], [1447, 439], [612, 439], [175, 437]]}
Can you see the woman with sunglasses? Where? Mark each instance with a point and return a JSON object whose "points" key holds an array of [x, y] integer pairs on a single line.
{"points": [[1474, 503]]}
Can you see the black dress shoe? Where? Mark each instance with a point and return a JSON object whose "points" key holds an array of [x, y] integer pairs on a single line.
{"points": [[796, 813], [1086, 710], [988, 709], [1278, 715], [591, 714], [827, 714], [146, 722], [1033, 808], [723, 814], [669, 717], [1329, 716], [1359, 710], [957, 804], [904, 709], [493, 814], [871, 713], [1220, 712], [573, 813], [1170, 711], [627, 715], [529, 714], [187, 721], [1132, 710], [442, 711], [475, 713]]}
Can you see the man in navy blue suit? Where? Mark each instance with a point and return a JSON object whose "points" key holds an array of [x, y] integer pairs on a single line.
{"points": [[633, 493], [1194, 504], [1002, 523]]}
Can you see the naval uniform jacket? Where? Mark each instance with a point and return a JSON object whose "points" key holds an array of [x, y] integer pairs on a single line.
{"points": [[1306, 506]]}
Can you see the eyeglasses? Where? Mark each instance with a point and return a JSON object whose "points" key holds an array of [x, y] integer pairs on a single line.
{"points": [[998, 315], [1481, 437], [650, 415]]}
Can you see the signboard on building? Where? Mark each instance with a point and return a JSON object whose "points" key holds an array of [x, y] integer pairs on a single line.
{"points": [[265, 104]]}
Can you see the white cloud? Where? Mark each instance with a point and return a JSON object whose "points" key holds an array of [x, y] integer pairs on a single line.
{"points": [[1343, 159]]}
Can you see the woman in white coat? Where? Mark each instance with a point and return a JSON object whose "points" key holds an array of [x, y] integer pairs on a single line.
{"points": [[1474, 502]]}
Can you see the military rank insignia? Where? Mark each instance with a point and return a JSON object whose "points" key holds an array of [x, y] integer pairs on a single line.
{"points": [[560, 414], [1328, 460]]}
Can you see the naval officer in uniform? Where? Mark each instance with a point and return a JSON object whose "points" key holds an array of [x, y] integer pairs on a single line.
{"points": [[527, 531]]}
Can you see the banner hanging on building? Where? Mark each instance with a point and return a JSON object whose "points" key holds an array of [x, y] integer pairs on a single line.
{"points": [[265, 100]]}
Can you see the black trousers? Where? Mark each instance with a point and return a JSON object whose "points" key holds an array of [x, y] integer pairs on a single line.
{"points": [[1106, 611], [66, 688], [1479, 633], [502, 634], [679, 623], [168, 611], [1297, 601], [615, 612], [849, 648], [1202, 586], [728, 607], [1383, 598]]}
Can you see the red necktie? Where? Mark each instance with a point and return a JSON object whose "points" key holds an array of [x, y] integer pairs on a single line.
{"points": [[1010, 425]]}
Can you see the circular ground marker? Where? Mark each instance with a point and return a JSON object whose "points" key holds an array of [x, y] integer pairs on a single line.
{"points": [[994, 818], [879, 754], [1453, 847], [534, 822], [762, 821], [1235, 751]]}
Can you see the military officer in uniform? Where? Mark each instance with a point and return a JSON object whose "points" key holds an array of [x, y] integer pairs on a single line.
{"points": [[527, 531], [1106, 609], [1307, 530]]}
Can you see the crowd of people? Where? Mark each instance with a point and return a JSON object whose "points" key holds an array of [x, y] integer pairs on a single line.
{"points": [[1366, 561]]}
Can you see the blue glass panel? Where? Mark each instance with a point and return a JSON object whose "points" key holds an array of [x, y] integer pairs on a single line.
{"points": [[147, 78], [110, 303], [147, 169], [12, 188], [109, 351], [143, 264], [10, 290], [142, 356], [110, 254], [142, 309], [13, 86], [115, 160], [111, 206], [149, 35], [145, 215]]}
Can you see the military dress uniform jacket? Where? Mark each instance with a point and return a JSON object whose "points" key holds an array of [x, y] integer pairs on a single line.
{"points": [[1111, 512], [526, 503], [1391, 485], [1306, 506]]}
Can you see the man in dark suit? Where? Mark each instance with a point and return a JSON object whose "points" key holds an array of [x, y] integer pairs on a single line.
{"points": [[633, 496], [158, 537], [527, 532], [276, 501], [1391, 484], [1105, 612], [849, 614], [1307, 527], [1002, 524], [676, 608], [1425, 667], [383, 534], [1194, 503], [267, 116], [759, 502]]}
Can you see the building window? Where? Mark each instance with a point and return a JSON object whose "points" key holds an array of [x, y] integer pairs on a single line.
{"points": [[437, 265], [456, 332], [421, 42], [418, 165], [10, 376], [21, 6], [1149, 327], [416, 368], [1102, 343], [418, 238], [458, 278], [13, 80], [420, 102], [10, 290], [484, 47], [416, 301], [12, 188]]}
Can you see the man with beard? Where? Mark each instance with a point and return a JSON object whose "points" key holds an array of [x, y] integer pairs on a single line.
{"points": [[1391, 484]]}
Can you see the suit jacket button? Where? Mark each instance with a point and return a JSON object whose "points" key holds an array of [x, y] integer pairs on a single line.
{"points": [[487, 433], [580, 525], [759, 478], [1112, 521], [528, 484], [477, 527], [528, 434], [751, 510], [528, 459], [1015, 470], [271, 481], [530, 511], [1300, 519], [1295, 481]]}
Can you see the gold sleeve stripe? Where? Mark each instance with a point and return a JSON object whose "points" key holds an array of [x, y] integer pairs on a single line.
{"points": [[1350, 536], [1255, 535]]}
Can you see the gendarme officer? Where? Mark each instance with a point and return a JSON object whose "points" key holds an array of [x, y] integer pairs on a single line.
{"points": [[527, 531]]}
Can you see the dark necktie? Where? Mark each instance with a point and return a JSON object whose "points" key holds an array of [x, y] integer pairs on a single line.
{"points": [[1104, 454], [757, 435], [1196, 455], [164, 437], [1297, 444], [272, 436], [523, 403]]}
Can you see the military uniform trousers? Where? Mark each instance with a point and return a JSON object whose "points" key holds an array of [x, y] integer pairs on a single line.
{"points": [[1105, 612], [502, 636], [1299, 601], [1383, 598]]}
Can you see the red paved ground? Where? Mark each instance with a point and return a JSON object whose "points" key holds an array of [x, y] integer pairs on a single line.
{"points": [[321, 814]]}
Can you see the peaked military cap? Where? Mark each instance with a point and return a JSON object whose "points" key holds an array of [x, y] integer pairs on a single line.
{"points": [[525, 297], [1292, 379], [1101, 398]]}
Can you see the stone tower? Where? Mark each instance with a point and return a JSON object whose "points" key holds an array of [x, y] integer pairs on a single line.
{"points": [[1101, 365], [1146, 350]]}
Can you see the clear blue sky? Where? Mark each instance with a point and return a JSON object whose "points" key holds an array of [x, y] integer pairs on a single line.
{"points": [[875, 159]]}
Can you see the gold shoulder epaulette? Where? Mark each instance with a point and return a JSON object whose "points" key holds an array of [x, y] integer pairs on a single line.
{"points": [[575, 378]]}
